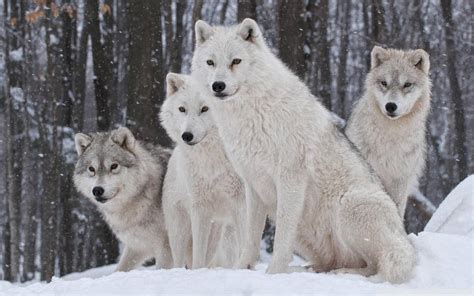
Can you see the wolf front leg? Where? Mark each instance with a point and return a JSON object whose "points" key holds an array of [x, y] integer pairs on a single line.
{"points": [[291, 190], [130, 259], [201, 229], [254, 226], [163, 256]]}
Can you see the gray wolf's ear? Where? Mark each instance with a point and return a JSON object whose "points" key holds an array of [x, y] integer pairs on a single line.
{"points": [[421, 60], [377, 56], [173, 83], [124, 137], [203, 31], [249, 30], [82, 141]]}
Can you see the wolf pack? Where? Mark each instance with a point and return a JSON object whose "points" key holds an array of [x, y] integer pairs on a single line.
{"points": [[251, 143]]}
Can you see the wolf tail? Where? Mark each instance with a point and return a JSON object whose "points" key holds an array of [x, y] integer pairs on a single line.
{"points": [[396, 264]]}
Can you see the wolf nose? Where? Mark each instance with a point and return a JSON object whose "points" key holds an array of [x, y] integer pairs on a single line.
{"points": [[98, 191], [218, 86], [187, 137], [391, 107]]}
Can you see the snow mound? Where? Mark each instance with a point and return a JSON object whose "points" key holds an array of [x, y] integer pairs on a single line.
{"points": [[444, 265], [455, 214]]}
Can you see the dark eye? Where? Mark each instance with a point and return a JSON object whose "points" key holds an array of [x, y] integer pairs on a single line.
{"points": [[384, 83], [113, 166], [91, 169], [210, 62], [181, 109], [236, 61], [204, 109], [408, 84]]}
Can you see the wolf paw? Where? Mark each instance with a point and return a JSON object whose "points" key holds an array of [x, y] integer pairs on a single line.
{"points": [[275, 268]]}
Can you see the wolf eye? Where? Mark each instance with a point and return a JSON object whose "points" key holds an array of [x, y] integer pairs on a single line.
{"points": [[384, 83], [236, 61], [181, 109], [210, 62], [114, 166], [408, 84], [204, 109], [91, 169]]}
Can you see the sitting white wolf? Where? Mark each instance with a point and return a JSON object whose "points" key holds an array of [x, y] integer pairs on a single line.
{"points": [[388, 124], [203, 197], [296, 166]]}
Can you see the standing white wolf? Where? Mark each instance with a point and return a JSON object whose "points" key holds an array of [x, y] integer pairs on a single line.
{"points": [[295, 164], [124, 178], [203, 196], [388, 123]]}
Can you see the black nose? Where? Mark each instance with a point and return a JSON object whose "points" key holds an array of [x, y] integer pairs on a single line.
{"points": [[391, 107], [98, 191], [218, 86], [187, 137]]}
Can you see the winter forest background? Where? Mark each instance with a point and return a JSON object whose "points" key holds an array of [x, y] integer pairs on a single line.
{"points": [[88, 65]]}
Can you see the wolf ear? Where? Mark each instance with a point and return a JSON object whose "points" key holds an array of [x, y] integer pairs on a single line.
{"points": [[421, 60], [82, 141], [203, 32], [173, 83], [124, 137], [249, 30], [377, 56]]}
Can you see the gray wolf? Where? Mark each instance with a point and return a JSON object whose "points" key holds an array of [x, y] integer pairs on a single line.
{"points": [[296, 165], [123, 178], [203, 196], [388, 123]]}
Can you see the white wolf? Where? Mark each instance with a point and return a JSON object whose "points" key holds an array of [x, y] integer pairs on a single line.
{"points": [[295, 164], [388, 123], [203, 196], [124, 178]]}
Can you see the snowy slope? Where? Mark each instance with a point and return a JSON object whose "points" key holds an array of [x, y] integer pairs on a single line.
{"points": [[445, 265], [455, 214]]}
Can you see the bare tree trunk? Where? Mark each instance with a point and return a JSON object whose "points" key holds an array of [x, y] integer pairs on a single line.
{"points": [[225, 5], [459, 124], [50, 152], [14, 137], [145, 88], [102, 66], [291, 33], [321, 11], [246, 9], [343, 53], [80, 78], [168, 22], [379, 27], [177, 50]]}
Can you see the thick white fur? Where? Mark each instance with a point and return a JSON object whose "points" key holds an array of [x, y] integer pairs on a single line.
{"points": [[203, 196], [295, 164], [394, 147], [133, 207]]}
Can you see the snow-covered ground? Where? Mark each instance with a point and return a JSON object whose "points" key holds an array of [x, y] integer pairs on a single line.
{"points": [[445, 265]]}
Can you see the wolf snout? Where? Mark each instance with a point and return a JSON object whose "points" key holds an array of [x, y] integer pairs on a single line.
{"points": [[391, 108], [218, 87], [187, 137]]}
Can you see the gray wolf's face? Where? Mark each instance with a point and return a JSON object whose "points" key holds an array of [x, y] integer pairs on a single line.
{"points": [[398, 79], [107, 166], [184, 114], [224, 57]]}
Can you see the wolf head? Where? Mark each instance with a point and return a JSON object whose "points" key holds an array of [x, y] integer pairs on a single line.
{"points": [[225, 58], [184, 114], [107, 166], [398, 79]]}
